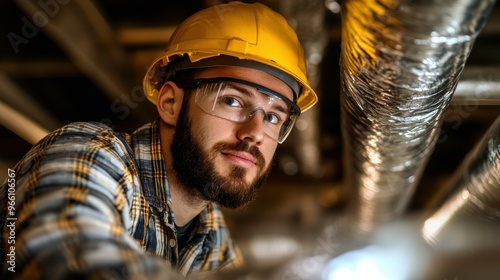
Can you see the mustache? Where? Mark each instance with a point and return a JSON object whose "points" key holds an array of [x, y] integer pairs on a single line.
{"points": [[242, 147]]}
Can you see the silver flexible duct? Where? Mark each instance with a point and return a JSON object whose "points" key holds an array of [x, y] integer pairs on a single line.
{"points": [[400, 64], [475, 199]]}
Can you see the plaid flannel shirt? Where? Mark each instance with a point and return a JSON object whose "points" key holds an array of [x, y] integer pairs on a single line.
{"points": [[93, 202]]}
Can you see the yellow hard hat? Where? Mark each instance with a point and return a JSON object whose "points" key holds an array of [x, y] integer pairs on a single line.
{"points": [[237, 34]]}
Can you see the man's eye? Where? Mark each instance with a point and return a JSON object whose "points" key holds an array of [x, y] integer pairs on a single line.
{"points": [[273, 119], [231, 101]]}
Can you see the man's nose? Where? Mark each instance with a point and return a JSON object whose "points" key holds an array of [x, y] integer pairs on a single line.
{"points": [[253, 129]]}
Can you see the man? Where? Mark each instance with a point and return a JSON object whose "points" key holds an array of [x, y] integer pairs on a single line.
{"points": [[93, 203]]}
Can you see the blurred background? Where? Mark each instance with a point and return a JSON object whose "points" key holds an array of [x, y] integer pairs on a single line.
{"points": [[68, 61]]}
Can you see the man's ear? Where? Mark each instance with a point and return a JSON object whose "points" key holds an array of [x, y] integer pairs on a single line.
{"points": [[169, 102]]}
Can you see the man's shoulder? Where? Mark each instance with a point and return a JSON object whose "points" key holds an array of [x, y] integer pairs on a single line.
{"points": [[79, 139], [82, 132], [83, 129], [77, 148]]}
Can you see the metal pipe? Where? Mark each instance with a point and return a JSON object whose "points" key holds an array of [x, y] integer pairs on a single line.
{"points": [[82, 33], [475, 199], [478, 86], [307, 18], [23, 103], [21, 125], [400, 64]]}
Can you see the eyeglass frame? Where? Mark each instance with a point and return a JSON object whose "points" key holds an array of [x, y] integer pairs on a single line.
{"points": [[197, 83]]}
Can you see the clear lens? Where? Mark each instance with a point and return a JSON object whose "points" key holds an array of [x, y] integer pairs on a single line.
{"points": [[239, 101]]}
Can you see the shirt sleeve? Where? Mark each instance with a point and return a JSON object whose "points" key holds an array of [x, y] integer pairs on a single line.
{"points": [[74, 191]]}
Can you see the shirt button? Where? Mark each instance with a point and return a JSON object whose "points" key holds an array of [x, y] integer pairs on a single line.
{"points": [[172, 243]]}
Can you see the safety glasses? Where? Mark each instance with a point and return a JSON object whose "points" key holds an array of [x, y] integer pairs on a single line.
{"points": [[239, 101]]}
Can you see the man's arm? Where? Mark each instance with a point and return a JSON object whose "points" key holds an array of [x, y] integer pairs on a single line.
{"points": [[74, 192]]}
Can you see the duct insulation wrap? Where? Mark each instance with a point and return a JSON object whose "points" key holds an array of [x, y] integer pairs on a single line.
{"points": [[474, 203], [400, 64]]}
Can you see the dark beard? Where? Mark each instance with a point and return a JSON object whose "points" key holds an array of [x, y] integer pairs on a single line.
{"points": [[196, 172]]}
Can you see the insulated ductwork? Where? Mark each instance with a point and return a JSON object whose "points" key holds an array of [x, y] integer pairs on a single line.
{"points": [[475, 200], [400, 64]]}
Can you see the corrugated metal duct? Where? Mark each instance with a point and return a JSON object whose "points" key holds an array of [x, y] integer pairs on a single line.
{"points": [[474, 202], [400, 64]]}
